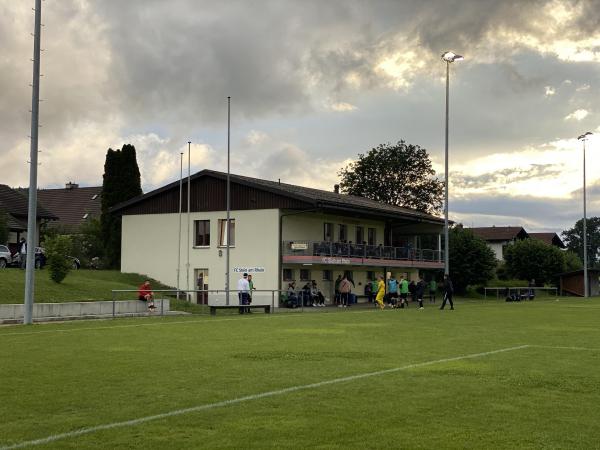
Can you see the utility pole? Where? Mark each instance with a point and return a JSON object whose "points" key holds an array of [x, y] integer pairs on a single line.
{"points": [[33, 163]]}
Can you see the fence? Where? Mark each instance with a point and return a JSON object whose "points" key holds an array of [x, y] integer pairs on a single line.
{"points": [[364, 251], [199, 301], [519, 290]]}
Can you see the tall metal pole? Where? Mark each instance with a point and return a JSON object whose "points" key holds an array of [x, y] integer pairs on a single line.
{"points": [[188, 218], [446, 246], [228, 200], [179, 232], [585, 258], [33, 161]]}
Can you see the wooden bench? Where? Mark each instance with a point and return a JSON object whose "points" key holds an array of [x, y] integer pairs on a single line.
{"points": [[213, 308]]}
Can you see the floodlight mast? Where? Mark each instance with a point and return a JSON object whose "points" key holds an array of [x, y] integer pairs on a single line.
{"points": [[583, 138], [448, 57], [33, 163]]}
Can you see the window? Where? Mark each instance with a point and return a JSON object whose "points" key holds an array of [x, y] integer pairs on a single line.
{"points": [[372, 237], [288, 274], [370, 275], [342, 233], [202, 233], [304, 275], [223, 232], [327, 275], [360, 235], [328, 232]]}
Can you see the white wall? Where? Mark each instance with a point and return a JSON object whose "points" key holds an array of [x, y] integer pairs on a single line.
{"points": [[149, 246], [497, 249]]}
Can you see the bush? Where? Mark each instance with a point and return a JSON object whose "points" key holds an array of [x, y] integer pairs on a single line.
{"points": [[57, 249]]}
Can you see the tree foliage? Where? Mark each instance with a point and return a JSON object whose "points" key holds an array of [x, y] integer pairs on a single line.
{"points": [[398, 174], [472, 261], [3, 228], [574, 239], [532, 259], [121, 182], [57, 248]]}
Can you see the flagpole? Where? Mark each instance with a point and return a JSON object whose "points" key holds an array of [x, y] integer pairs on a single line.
{"points": [[179, 233], [228, 229], [188, 219]]}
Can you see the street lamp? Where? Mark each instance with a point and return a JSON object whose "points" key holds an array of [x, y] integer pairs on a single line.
{"points": [[449, 57], [583, 138]]}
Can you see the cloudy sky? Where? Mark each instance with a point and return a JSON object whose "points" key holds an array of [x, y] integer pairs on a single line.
{"points": [[314, 83]]}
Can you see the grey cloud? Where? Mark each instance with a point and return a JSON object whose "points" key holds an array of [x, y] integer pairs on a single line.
{"points": [[504, 176]]}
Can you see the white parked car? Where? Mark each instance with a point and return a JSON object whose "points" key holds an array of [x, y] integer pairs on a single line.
{"points": [[5, 257]]}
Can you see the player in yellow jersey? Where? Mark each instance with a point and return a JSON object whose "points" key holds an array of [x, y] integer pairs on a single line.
{"points": [[380, 292]]}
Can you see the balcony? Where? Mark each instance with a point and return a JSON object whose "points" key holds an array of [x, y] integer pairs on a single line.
{"points": [[340, 253]]}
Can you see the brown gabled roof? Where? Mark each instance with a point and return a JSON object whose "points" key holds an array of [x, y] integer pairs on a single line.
{"points": [[15, 204], [317, 197], [500, 233], [71, 205], [549, 238]]}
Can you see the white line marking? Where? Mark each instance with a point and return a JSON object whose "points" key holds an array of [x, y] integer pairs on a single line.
{"points": [[558, 347], [206, 319], [247, 398]]}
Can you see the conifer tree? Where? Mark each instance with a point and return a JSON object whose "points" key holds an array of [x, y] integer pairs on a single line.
{"points": [[121, 181]]}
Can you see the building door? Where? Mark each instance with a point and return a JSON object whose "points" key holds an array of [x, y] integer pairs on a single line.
{"points": [[201, 277]]}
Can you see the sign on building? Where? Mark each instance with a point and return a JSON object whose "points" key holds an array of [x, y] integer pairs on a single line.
{"points": [[249, 269]]}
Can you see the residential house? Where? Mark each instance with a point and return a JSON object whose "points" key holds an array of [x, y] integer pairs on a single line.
{"points": [[499, 237], [15, 205], [72, 205], [549, 238], [279, 232]]}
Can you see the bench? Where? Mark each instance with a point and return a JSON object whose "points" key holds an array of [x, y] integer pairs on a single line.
{"points": [[213, 308]]}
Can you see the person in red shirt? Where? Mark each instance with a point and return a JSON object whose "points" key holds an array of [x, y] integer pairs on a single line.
{"points": [[145, 294]]}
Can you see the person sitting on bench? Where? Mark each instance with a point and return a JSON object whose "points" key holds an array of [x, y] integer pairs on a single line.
{"points": [[145, 294]]}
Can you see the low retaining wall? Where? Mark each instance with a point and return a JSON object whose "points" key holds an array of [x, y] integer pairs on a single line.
{"points": [[71, 310]]}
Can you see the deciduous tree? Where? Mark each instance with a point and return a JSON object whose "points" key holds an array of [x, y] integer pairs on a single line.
{"points": [[531, 259], [574, 239], [398, 174], [472, 261]]}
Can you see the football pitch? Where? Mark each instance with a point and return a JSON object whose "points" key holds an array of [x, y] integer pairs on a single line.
{"points": [[487, 375]]}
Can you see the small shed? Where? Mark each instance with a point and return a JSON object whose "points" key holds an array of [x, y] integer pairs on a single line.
{"points": [[571, 283]]}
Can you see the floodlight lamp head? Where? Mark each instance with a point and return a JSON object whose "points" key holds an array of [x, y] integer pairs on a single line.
{"points": [[585, 135], [451, 57]]}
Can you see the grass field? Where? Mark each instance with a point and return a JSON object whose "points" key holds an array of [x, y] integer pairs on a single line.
{"points": [[487, 375], [80, 285]]}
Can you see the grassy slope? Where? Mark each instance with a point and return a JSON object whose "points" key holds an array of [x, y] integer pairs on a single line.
{"points": [[80, 285], [66, 376]]}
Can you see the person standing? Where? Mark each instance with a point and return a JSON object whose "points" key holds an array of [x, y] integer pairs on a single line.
{"points": [[250, 289], [432, 290], [403, 292], [448, 291], [420, 291], [380, 292], [23, 253], [392, 291], [338, 297], [345, 288], [243, 292]]}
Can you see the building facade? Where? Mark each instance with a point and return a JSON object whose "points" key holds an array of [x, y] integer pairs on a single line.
{"points": [[279, 233]]}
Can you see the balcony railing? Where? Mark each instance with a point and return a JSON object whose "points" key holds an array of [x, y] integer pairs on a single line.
{"points": [[363, 251]]}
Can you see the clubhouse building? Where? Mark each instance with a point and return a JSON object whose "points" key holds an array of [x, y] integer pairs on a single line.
{"points": [[279, 233]]}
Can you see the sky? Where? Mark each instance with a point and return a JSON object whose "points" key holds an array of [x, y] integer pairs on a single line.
{"points": [[313, 84]]}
